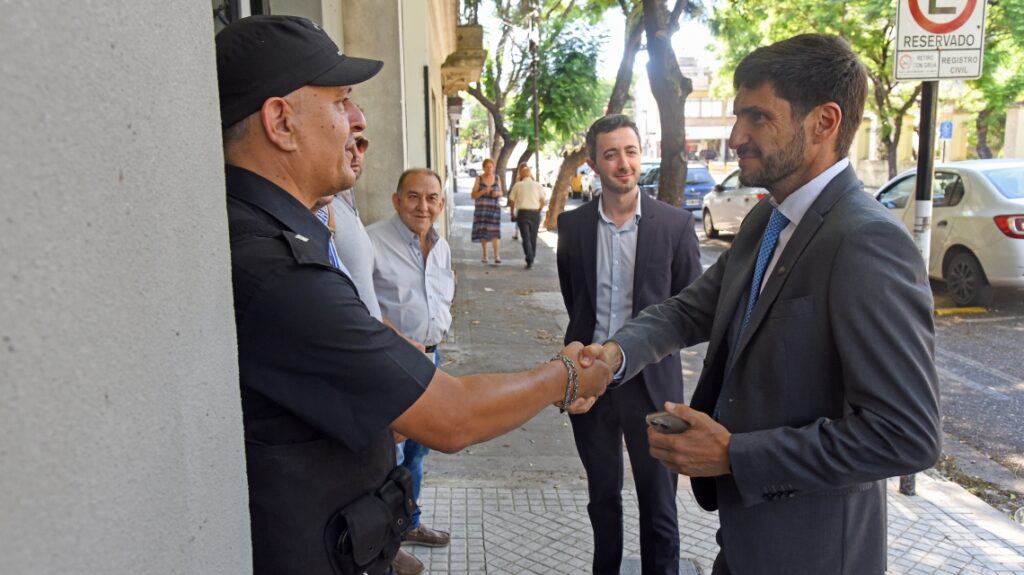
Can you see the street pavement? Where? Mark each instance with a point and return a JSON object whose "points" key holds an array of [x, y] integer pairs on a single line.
{"points": [[517, 504]]}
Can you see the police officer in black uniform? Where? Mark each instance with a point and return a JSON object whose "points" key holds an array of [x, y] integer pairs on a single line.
{"points": [[323, 383]]}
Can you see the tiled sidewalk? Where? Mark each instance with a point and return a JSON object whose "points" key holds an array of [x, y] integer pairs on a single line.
{"points": [[943, 529], [517, 504]]}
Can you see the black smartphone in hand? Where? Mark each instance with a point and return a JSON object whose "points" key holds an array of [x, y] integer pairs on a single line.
{"points": [[664, 422]]}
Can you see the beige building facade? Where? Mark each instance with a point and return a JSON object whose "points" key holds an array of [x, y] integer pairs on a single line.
{"points": [[120, 421]]}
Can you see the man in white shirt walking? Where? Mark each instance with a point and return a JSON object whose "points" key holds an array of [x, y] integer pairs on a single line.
{"points": [[527, 198]]}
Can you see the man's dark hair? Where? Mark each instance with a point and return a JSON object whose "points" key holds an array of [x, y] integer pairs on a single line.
{"points": [[807, 71], [604, 125], [411, 171], [235, 133]]}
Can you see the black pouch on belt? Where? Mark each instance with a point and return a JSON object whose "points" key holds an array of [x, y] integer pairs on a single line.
{"points": [[364, 536]]}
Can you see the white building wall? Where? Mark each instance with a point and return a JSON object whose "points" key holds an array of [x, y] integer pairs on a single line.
{"points": [[120, 424]]}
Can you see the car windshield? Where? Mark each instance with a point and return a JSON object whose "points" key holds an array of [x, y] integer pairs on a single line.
{"points": [[1009, 182], [698, 176]]}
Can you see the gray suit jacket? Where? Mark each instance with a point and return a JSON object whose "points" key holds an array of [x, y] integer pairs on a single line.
{"points": [[830, 389]]}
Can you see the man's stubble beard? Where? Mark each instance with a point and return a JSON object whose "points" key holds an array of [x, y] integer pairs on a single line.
{"points": [[615, 188], [780, 165]]}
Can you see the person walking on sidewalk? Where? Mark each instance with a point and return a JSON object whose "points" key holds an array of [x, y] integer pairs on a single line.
{"points": [[415, 286], [819, 381], [512, 208], [616, 256], [322, 382], [487, 211], [527, 198]]}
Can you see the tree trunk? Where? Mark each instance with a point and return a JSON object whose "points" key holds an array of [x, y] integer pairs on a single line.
{"points": [[570, 163], [670, 89], [501, 164], [524, 158], [495, 136], [616, 102], [890, 152], [507, 142], [981, 125]]}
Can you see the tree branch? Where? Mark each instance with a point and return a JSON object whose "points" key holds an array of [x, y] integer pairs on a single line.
{"points": [[492, 108]]}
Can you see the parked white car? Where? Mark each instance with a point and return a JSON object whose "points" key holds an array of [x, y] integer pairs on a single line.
{"points": [[977, 224], [725, 206]]}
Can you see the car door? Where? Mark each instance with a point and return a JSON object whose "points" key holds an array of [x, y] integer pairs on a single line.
{"points": [[648, 182], [947, 197], [735, 203], [899, 197]]}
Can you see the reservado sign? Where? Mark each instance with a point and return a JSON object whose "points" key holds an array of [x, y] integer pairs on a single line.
{"points": [[939, 39]]}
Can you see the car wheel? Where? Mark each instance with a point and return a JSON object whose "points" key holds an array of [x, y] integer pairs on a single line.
{"points": [[709, 225], [966, 281]]}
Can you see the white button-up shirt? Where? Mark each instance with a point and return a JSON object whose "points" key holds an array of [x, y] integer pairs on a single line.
{"points": [[414, 294], [796, 205]]}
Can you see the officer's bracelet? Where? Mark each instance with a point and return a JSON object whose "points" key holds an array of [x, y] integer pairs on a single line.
{"points": [[572, 383]]}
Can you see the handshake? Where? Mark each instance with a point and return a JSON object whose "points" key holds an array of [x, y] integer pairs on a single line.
{"points": [[596, 365]]}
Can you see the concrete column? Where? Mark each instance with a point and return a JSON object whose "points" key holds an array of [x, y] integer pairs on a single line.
{"points": [[415, 44], [326, 13], [373, 29], [120, 425]]}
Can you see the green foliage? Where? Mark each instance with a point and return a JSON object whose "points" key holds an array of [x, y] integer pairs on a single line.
{"points": [[569, 92], [1002, 80], [869, 26], [476, 134]]}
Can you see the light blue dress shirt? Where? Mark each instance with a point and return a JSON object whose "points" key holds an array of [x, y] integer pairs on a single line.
{"points": [[413, 294], [616, 258]]}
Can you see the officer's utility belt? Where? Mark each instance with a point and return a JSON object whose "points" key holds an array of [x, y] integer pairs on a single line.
{"points": [[365, 535]]}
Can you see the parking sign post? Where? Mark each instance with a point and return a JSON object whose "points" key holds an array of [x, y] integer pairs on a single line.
{"points": [[935, 40]]}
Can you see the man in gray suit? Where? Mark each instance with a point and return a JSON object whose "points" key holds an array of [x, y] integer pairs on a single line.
{"points": [[819, 380]]}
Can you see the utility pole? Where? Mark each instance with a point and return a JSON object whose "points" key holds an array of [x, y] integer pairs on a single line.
{"points": [[535, 72]]}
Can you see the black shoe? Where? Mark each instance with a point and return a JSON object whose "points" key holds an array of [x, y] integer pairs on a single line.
{"points": [[529, 265]]}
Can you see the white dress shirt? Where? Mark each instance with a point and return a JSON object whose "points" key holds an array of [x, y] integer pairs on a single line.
{"points": [[414, 294], [796, 205], [793, 207]]}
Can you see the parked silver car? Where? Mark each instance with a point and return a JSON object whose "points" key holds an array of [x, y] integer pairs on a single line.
{"points": [[727, 204], [977, 224]]}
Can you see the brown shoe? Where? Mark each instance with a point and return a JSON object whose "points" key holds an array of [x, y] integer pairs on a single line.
{"points": [[427, 537], [406, 563]]}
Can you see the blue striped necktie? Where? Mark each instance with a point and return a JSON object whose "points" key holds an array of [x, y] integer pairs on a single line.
{"points": [[332, 252], [776, 223]]}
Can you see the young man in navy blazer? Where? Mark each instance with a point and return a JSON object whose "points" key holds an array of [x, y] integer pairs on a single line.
{"points": [[616, 255]]}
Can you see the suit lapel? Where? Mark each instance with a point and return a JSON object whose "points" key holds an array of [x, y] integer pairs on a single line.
{"points": [[736, 279], [646, 237], [588, 249], [739, 272], [812, 220]]}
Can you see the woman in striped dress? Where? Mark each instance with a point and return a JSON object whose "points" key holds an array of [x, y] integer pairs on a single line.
{"points": [[487, 214]]}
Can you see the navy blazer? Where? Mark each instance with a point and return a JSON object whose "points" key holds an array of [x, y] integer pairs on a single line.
{"points": [[667, 260]]}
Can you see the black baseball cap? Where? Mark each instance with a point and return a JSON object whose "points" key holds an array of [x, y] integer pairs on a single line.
{"points": [[261, 57]]}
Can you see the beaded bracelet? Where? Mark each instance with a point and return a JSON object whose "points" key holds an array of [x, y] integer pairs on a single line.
{"points": [[572, 384]]}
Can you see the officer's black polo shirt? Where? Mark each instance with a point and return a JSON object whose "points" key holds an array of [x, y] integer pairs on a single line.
{"points": [[307, 347]]}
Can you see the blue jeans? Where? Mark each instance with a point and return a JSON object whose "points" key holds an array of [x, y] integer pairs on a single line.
{"points": [[410, 454]]}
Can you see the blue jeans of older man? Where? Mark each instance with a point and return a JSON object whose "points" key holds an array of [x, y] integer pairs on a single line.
{"points": [[409, 454]]}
